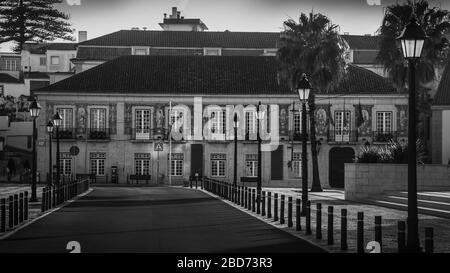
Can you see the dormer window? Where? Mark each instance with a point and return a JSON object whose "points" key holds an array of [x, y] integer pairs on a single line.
{"points": [[212, 51]]}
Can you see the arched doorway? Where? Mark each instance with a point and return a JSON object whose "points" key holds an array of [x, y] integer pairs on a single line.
{"points": [[338, 156]]}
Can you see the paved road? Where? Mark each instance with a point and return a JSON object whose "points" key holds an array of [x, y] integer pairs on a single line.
{"points": [[154, 220]]}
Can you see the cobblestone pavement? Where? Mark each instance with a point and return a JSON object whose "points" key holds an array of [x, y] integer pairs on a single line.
{"points": [[390, 218]]}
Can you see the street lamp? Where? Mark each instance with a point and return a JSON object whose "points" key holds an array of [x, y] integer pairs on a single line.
{"points": [[50, 132], [235, 125], [34, 109], [57, 121], [260, 117], [412, 40], [303, 89]]}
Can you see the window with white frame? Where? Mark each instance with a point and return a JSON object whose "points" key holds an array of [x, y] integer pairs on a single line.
{"points": [[54, 60], [251, 165], [140, 51], [43, 61], [98, 163], [297, 164], [218, 163], [297, 122], [342, 125], [2, 90], [98, 118], [11, 65], [142, 163], [65, 164], [218, 122], [250, 123], [142, 123], [176, 115], [384, 122], [176, 164], [67, 117]]}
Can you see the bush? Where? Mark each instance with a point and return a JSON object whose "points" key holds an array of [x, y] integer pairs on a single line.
{"points": [[395, 153]]}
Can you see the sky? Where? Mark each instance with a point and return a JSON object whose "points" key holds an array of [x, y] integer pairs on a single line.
{"points": [[100, 17]]}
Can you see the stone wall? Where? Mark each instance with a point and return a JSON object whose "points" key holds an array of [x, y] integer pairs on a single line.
{"points": [[366, 180]]}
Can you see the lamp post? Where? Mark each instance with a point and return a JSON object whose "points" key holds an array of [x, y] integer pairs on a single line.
{"points": [[260, 117], [50, 132], [34, 109], [235, 125], [57, 120], [412, 40], [303, 89]]}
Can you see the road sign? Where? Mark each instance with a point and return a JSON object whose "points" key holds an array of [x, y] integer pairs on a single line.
{"points": [[159, 146], [74, 150]]}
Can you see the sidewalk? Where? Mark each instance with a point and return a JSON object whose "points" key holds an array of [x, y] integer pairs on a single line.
{"points": [[390, 218]]}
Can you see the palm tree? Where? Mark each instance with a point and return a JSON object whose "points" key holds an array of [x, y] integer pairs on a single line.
{"points": [[312, 46], [436, 23]]}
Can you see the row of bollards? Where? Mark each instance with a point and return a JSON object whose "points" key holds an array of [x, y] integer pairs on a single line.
{"points": [[13, 211], [272, 206], [53, 196]]}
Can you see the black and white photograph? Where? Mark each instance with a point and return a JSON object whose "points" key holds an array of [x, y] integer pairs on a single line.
{"points": [[239, 128]]}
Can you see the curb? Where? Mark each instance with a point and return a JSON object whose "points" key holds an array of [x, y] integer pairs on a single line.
{"points": [[274, 224], [12, 232]]}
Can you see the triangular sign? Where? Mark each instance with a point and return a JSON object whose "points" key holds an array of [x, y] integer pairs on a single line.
{"points": [[159, 146]]}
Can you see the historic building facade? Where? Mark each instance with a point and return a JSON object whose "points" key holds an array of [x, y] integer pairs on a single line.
{"points": [[117, 114]]}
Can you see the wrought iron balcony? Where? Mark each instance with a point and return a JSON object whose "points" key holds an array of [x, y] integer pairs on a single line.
{"points": [[384, 136], [149, 134], [343, 136], [65, 133], [98, 133]]}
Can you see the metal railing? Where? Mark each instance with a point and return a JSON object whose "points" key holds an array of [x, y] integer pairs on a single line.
{"points": [[384, 136], [343, 136]]}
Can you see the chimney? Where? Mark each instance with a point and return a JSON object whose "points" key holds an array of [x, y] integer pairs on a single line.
{"points": [[82, 36], [178, 14], [174, 12], [165, 15]]}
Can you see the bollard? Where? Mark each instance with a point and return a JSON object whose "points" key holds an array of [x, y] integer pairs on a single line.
{"points": [[2, 215], [196, 183], [290, 223], [344, 245], [49, 197], [429, 245], [11, 212], [244, 197], [319, 221], [190, 183], [263, 203], [44, 200], [401, 236], [360, 233], [247, 201], [330, 226], [308, 218], [249, 197], [21, 207], [258, 202], [275, 207], [269, 204], [26, 206], [54, 196], [253, 200], [298, 212], [378, 234], [16, 209], [282, 221]]}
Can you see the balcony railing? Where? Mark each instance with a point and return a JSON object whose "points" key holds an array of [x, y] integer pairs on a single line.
{"points": [[98, 133], [343, 136], [384, 136], [65, 133], [149, 134]]}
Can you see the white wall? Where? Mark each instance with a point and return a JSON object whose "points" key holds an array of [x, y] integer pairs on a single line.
{"points": [[32, 60], [445, 136], [65, 65], [15, 89]]}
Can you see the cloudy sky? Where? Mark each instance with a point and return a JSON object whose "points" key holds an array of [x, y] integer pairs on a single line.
{"points": [[100, 17]]}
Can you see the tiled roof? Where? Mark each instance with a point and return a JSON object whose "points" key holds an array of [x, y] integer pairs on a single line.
{"points": [[177, 21], [202, 39], [362, 42], [443, 93], [35, 48], [363, 81], [208, 75], [364, 57], [6, 78], [102, 53]]}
